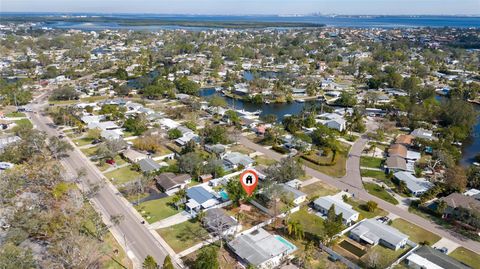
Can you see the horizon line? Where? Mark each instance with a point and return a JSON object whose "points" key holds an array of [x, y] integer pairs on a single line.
{"points": [[316, 14]]}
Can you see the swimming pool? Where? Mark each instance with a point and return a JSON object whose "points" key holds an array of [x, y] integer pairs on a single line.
{"points": [[224, 195], [291, 246]]}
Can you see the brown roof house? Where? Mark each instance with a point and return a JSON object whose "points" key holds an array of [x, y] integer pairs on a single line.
{"points": [[171, 183], [456, 200], [405, 140], [397, 150]]}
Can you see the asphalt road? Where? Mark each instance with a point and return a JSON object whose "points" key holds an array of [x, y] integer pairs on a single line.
{"points": [[353, 182], [131, 234]]}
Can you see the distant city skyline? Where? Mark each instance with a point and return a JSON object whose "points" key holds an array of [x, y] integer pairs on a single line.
{"points": [[253, 7]]}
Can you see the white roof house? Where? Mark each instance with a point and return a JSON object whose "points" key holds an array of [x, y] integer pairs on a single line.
{"points": [[415, 185], [374, 232], [111, 134], [333, 121], [104, 125], [323, 204], [297, 195], [261, 249], [182, 141], [92, 119], [168, 123]]}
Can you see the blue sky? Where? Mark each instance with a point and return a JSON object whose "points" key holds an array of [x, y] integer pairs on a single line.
{"points": [[387, 7]]}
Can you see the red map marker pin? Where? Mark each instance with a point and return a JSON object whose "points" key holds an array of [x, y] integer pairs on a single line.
{"points": [[249, 180]]}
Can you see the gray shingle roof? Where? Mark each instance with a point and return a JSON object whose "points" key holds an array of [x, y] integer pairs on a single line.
{"points": [[340, 207], [374, 230], [439, 258], [414, 184], [148, 165]]}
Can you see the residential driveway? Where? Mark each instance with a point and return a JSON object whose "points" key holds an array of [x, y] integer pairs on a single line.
{"points": [[170, 221], [449, 244]]}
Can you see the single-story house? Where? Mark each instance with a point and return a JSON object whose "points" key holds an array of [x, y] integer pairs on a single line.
{"points": [[111, 134], [133, 155], [404, 139], [299, 92], [297, 196], [217, 221], [148, 165], [375, 232], [417, 186], [103, 125], [323, 204], [423, 134], [206, 178], [428, 257], [233, 160], [201, 197], [185, 138], [456, 199], [168, 124], [261, 249], [216, 149], [395, 164], [333, 121], [92, 119], [5, 141], [171, 183], [397, 150]]}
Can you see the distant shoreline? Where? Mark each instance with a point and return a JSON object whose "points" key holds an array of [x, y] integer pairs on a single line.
{"points": [[123, 21]]}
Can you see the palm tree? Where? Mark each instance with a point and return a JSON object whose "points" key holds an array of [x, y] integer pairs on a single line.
{"points": [[201, 215], [295, 228]]}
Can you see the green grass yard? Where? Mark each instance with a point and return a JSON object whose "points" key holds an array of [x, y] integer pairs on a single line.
{"points": [[24, 122], [156, 210], [82, 141], [467, 256], [361, 208], [371, 162], [15, 114], [122, 175], [310, 222], [338, 169], [184, 235], [415, 233], [381, 193], [384, 256]]}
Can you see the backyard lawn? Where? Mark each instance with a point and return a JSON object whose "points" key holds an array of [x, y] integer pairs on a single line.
{"points": [[184, 235], [371, 162], [467, 256], [381, 193], [156, 210], [338, 169], [361, 208], [415, 233], [318, 189], [122, 175], [381, 257], [310, 222]]}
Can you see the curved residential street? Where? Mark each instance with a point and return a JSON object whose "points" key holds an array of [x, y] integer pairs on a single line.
{"points": [[353, 182]]}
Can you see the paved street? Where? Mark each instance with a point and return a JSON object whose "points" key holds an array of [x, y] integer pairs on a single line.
{"points": [[135, 237], [353, 182]]}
